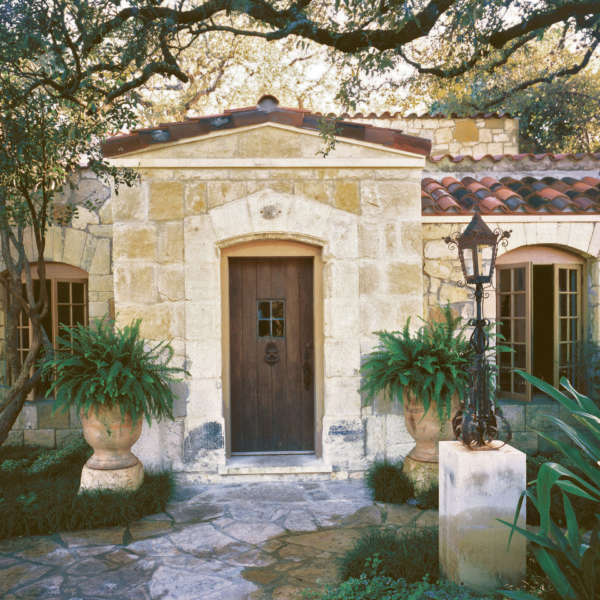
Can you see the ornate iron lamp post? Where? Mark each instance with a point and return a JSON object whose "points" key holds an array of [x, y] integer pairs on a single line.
{"points": [[477, 422]]}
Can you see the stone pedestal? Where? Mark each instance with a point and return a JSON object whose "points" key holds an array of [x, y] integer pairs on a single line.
{"points": [[128, 479], [476, 489]]}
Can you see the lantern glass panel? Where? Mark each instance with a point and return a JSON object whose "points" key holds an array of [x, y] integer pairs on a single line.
{"points": [[468, 262], [485, 255]]}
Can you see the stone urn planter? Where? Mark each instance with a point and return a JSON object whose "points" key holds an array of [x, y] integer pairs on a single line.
{"points": [[426, 428], [111, 435], [114, 378], [423, 369]]}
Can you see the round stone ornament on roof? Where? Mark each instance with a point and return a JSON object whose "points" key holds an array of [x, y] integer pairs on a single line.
{"points": [[267, 103]]}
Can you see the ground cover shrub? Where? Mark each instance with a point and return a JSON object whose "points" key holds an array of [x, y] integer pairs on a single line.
{"points": [[411, 555], [38, 493], [429, 498], [374, 586], [388, 483]]}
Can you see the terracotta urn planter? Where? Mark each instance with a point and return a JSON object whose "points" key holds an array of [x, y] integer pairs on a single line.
{"points": [[111, 435], [421, 463]]}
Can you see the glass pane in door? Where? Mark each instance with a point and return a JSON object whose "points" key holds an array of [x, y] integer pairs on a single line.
{"points": [[514, 324]]}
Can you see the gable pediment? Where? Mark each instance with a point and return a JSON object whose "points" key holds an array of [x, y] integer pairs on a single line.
{"points": [[271, 141]]}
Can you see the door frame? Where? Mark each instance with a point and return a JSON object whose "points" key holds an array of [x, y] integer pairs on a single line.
{"points": [[274, 248]]}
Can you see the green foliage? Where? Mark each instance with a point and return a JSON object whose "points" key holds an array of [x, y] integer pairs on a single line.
{"points": [[570, 560], [388, 483], [40, 496], [370, 585], [430, 363], [584, 509], [410, 556], [102, 365], [430, 498]]}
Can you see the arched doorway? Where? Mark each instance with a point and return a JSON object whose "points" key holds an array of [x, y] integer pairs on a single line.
{"points": [[272, 346], [539, 309]]}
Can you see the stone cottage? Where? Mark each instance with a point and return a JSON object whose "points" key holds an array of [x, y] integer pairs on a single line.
{"points": [[269, 267]]}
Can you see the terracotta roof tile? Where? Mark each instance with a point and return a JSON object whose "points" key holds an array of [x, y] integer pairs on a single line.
{"points": [[457, 158], [531, 195], [268, 110]]}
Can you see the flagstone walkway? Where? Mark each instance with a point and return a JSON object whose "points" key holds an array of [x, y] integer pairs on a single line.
{"points": [[214, 542]]}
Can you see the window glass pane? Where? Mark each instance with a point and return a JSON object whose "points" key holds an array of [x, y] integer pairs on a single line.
{"points": [[505, 305], [563, 305], [77, 291], [505, 358], [264, 328], [562, 280], [519, 305], [520, 361], [24, 338], [505, 280], [62, 287], [573, 277], [563, 353], [573, 305], [64, 315], [278, 328], [277, 308], [519, 330], [78, 316], [574, 330], [519, 280], [519, 384], [264, 310], [564, 330], [505, 329], [504, 380]]}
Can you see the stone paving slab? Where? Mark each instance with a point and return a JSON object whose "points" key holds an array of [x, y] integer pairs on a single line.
{"points": [[259, 541]]}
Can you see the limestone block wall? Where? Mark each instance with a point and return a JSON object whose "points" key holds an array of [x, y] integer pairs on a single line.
{"points": [[87, 244], [471, 136], [169, 236], [442, 271]]}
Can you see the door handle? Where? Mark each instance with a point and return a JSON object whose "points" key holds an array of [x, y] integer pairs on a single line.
{"points": [[307, 371]]}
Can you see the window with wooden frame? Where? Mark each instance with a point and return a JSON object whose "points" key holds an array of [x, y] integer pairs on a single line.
{"points": [[67, 292], [539, 311]]}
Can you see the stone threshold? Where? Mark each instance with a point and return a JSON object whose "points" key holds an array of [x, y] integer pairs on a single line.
{"points": [[275, 464]]}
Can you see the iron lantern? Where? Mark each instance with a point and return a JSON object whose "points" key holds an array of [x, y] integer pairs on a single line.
{"points": [[477, 248], [479, 422]]}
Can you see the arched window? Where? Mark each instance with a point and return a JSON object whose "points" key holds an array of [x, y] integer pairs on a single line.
{"points": [[539, 309], [67, 292]]}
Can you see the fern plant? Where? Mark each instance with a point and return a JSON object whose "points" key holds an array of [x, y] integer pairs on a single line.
{"points": [[104, 366], [430, 364]]}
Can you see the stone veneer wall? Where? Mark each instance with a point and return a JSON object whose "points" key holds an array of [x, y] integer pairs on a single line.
{"points": [[85, 244], [442, 270], [168, 233], [472, 136]]}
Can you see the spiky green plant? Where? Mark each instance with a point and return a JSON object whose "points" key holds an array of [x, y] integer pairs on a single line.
{"points": [[430, 363], [104, 366], [570, 560]]}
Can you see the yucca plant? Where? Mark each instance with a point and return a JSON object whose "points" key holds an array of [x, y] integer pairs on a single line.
{"points": [[104, 366], [570, 559], [431, 363]]}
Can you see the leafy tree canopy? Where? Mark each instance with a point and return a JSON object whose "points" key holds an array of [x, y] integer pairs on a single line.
{"points": [[555, 114], [76, 47]]}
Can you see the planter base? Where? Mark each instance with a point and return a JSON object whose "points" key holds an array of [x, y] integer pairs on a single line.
{"points": [[125, 480], [422, 474]]}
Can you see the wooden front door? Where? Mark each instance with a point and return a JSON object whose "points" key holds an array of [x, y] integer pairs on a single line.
{"points": [[272, 354]]}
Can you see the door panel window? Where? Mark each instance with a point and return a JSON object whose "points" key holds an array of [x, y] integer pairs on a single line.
{"points": [[513, 301], [540, 317]]}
